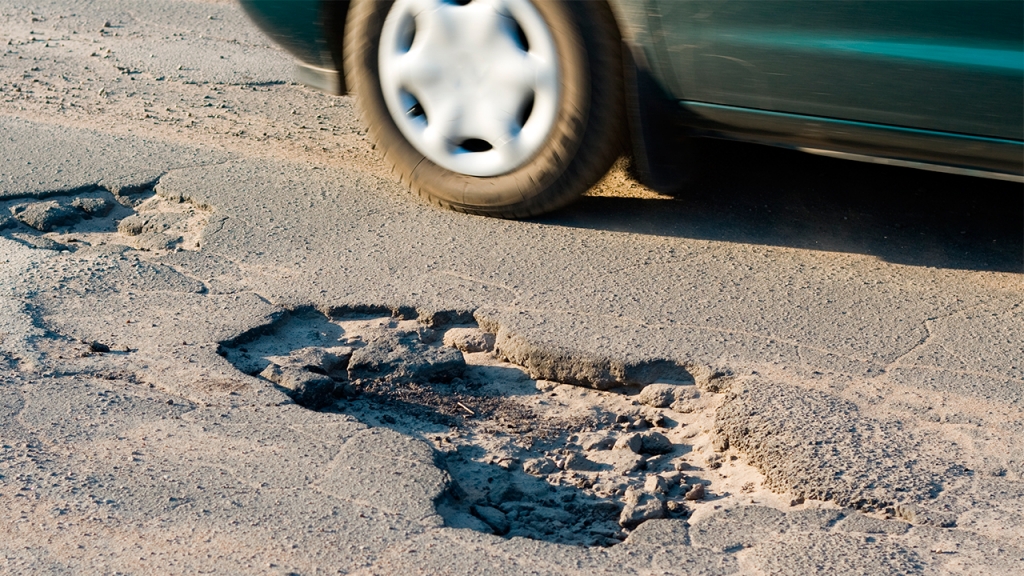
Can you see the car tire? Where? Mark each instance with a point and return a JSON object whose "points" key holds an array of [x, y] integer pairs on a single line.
{"points": [[576, 134]]}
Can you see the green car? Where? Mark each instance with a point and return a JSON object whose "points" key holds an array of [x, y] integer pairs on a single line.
{"points": [[513, 108]]}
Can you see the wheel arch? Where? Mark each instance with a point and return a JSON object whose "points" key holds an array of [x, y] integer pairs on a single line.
{"points": [[658, 139]]}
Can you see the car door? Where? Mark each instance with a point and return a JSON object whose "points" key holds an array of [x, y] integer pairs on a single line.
{"points": [[943, 65]]}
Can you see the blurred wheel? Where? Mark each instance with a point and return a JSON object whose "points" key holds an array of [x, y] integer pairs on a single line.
{"points": [[499, 107]]}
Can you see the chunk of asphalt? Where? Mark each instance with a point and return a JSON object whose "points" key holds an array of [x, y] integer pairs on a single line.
{"points": [[132, 225], [152, 241], [856, 461], [663, 395], [540, 466], [672, 478], [640, 507], [331, 361], [581, 463], [96, 206], [392, 355], [306, 388], [630, 462], [597, 441], [720, 443], [547, 361], [148, 223], [47, 215], [469, 339], [493, 517]]}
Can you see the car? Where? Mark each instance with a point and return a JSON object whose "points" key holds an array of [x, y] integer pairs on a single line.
{"points": [[514, 108]]}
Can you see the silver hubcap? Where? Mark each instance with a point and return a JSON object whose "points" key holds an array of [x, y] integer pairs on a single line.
{"points": [[472, 84]]}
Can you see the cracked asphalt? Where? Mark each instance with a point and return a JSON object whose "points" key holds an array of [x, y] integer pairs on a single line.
{"points": [[861, 328]]}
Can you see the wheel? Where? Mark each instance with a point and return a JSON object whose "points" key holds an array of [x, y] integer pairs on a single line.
{"points": [[505, 108]]}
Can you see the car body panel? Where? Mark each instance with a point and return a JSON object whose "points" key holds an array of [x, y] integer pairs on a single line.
{"points": [[910, 145], [296, 25], [932, 81], [310, 30], [943, 65]]}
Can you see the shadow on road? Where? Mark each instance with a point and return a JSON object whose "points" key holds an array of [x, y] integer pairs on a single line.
{"points": [[760, 195]]}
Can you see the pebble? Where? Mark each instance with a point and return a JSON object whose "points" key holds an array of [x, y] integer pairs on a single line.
{"points": [[676, 508], [656, 421], [916, 514], [631, 442], [695, 493], [720, 443], [640, 507], [540, 466], [654, 443], [655, 485], [713, 461], [99, 347]]}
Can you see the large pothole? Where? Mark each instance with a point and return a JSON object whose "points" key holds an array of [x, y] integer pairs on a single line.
{"points": [[532, 458]]}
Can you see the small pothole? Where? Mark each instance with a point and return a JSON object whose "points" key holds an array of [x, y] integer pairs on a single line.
{"points": [[140, 220], [530, 458]]}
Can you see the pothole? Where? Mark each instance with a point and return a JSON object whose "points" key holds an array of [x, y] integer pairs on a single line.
{"points": [[530, 458], [139, 219]]}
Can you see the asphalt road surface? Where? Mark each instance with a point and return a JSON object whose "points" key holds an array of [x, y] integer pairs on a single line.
{"points": [[230, 342]]}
